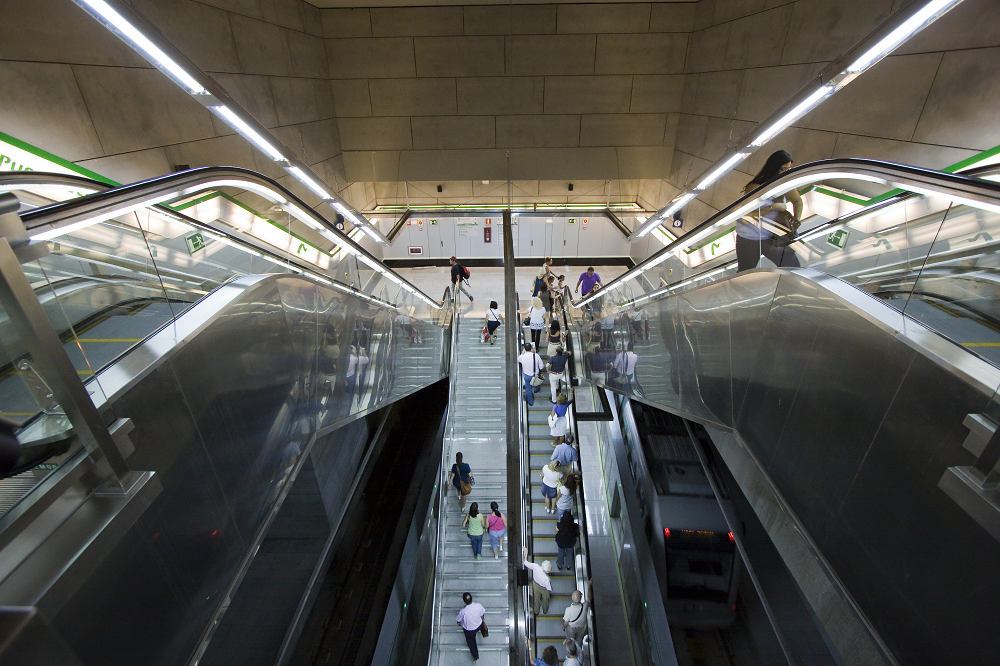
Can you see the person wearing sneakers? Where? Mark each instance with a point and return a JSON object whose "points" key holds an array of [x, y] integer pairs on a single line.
{"points": [[541, 584], [497, 524], [551, 474], [493, 321], [476, 522]]}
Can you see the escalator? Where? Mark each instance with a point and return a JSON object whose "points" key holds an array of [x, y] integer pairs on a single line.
{"points": [[854, 399], [222, 369]]}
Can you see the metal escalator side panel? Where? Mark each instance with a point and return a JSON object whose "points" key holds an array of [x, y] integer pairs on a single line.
{"points": [[849, 414]]}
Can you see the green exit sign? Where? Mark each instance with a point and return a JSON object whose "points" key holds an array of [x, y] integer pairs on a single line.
{"points": [[195, 242], [838, 238]]}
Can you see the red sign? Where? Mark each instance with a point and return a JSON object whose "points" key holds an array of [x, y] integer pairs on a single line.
{"points": [[489, 221]]}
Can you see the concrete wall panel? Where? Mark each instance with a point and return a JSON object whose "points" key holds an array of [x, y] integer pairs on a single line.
{"points": [[885, 103], [510, 19], [671, 17], [691, 131], [498, 95], [43, 105], [758, 40], [730, 10], [253, 93], [341, 23], [320, 140], [641, 54], [301, 100], [538, 131], [707, 52], [902, 152], [603, 18], [128, 168], [551, 54], [633, 129], [766, 89], [412, 97], [459, 56], [588, 94], [232, 150], [416, 21], [379, 58], [657, 93], [453, 164], [448, 132], [971, 24], [133, 109], [820, 30], [375, 133], [201, 32], [260, 47], [308, 55], [246, 7], [59, 31], [718, 93], [961, 107], [351, 98], [644, 161]]}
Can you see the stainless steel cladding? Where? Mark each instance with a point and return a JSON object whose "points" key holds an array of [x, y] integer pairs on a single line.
{"points": [[851, 413]]}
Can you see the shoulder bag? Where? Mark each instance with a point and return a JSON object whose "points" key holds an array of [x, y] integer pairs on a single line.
{"points": [[483, 629], [537, 380]]}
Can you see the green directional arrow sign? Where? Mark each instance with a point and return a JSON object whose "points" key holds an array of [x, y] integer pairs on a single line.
{"points": [[838, 238], [195, 242]]}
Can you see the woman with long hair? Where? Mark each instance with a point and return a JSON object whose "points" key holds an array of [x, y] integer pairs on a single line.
{"points": [[536, 321], [752, 238], [497, 523], [476, 522]]}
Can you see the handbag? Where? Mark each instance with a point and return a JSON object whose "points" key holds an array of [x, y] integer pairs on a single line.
{"points": [[552, 419], [464, 488], [527, 321], [486, 334], [537, 380], [483, 629]]}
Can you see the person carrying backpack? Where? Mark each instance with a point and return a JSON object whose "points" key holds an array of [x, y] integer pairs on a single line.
{"points": [[459, 274]]}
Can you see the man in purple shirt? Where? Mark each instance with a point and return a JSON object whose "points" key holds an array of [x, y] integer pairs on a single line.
{"points": [[589, 280], [470, 619]]}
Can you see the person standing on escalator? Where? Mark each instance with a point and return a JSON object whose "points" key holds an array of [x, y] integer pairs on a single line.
{"points": [[753, 238]]}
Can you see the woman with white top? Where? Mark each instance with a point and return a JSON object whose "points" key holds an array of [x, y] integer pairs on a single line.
{"points": [[493, 321], [536, 321], [551, 475]]}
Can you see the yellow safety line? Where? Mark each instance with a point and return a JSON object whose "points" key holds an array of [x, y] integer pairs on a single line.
{"points": [[981, 344], [109, 339], [19, 413]]}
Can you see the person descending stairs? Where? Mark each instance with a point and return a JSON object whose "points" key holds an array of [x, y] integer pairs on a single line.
{"points": [[477, 429]]}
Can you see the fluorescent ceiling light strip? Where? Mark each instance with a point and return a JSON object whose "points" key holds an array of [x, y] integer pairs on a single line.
{"points": [[102, 217], [800, 110], [348, 214], [310, 183], [143, 43], [900, 34], [724, 168], [251, 134]]}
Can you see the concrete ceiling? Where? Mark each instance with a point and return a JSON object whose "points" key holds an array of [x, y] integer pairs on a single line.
{"points": [[326, 4], [545, 94]]}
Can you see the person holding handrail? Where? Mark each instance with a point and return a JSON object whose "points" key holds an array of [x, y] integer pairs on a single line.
{"points": [[752, 238]]}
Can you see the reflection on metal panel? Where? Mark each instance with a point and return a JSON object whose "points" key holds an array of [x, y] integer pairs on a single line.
{"points": [[851, 413]]}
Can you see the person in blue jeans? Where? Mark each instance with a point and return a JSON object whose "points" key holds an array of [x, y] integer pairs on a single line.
{"points": [[567, 532], [531, 364], [476, 523]]}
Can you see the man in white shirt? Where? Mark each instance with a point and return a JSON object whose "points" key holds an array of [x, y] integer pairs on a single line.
{"points": [[531, 364], [541, 584], [625, 364], [575, 618], [470, 619]]}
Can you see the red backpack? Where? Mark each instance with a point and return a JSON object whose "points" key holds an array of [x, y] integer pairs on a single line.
{"points": [[467, 273]]}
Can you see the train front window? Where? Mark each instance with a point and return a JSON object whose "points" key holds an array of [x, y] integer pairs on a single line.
{"points": [[699, 564]]}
